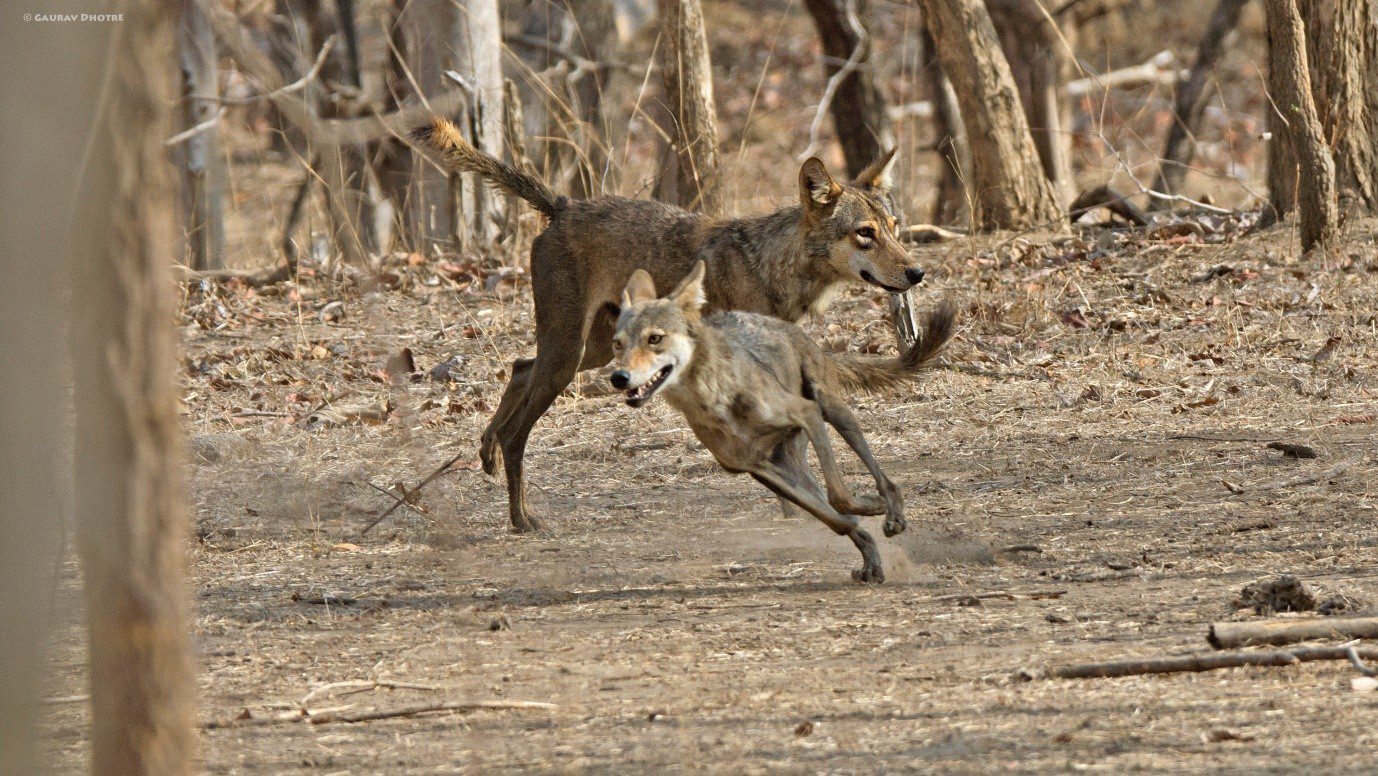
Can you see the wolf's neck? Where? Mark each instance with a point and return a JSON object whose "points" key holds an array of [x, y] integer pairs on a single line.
{"points": [[793, 272]]}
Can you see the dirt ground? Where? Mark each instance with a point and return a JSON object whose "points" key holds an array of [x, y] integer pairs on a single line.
{"points": [[1079, 451]]}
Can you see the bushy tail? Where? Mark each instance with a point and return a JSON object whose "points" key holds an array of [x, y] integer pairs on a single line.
{"points": [[460, 154], [875, 375]]}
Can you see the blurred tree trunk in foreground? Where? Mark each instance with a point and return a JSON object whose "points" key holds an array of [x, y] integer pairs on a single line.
{"points": [[860, 117], [1289, 80], [688, 177], [128, 448], [1011, 190], [52, 84]]}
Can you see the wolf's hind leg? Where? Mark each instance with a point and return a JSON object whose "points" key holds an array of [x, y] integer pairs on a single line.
{"points": [[840, 496], [512, 396], [798, 486], [794, 453], [840, 416]]}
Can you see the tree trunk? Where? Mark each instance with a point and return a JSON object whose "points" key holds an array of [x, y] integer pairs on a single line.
{"points": [[477, 42], [860, 116], [431, 214], [53, 78], [203, 161], [1339, 47], [952, 204], [128, 446], [688, 79], [1191, 101], [1011, 191], [1290, 82], [1032, 48]]}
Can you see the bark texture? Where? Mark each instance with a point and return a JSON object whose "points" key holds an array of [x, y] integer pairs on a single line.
{"points": [[1035, 54], [1339, 44], [1192, 96], [1010, 188], [860, 116], [1290, 82], [689, 176], [128, 446]]}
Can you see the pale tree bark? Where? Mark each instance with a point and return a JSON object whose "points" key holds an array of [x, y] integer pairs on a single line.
{"points": [[431, 214], [860, 116], [1190, 105], [53, 79], [1339, 44], [1290, 82], [1010, 188], [130, 509], [952, 202], [691, 171], [203, 160], [1035, 54], [477, 57]]}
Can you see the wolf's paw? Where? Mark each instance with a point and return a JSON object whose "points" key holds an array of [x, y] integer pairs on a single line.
{"points": [[871, 575], [527, 523], [894, 525]]}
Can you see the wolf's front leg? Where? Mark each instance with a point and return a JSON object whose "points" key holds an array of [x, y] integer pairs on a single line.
{"points": [[798, 487]]}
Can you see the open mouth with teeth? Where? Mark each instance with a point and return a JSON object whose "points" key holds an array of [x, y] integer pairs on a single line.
{"points": [[869, 278], [640, 395]]}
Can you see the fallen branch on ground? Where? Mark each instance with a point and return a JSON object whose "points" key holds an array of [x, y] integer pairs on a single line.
{"points": [[927, 233], [411, 493], [332, 715], [1312, 479], [1108, 198], [255, 278], [1231, 635], [1192, 663]]}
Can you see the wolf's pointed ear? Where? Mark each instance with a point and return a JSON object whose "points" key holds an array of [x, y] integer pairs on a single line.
{"points": [[689, 294], [640, 288], [817, 189], [876, 176]]}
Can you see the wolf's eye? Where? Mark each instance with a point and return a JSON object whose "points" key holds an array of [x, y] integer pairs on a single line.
{"points": [[654, 339], [866, 233]]}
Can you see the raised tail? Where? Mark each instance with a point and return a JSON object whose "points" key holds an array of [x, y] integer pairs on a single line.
{"points": [[461, 156], [875, 375]]}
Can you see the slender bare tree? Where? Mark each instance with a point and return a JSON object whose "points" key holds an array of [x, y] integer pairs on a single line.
{"points": [[1010, 188], [129, 503], [1192, 96], [203, 162], [858, 106], [688, 176], [952, 202], [1289, 80]]}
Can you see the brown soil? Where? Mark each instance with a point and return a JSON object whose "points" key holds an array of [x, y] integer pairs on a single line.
{"points": [[679, 622]]}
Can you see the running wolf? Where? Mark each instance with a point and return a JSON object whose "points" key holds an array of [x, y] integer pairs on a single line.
{"points": [[756, 391]]}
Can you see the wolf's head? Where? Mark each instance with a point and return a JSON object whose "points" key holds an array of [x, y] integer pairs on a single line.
{"points": [[856, 225], [655, 339]]}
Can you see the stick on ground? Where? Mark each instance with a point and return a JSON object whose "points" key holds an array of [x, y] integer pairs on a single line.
{"points": [[1232, 635], [411, 492], [1191, 663], [329, 716]]}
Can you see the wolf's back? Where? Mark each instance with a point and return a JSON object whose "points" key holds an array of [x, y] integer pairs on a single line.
{"points": [[854, 373], [460, 154]]}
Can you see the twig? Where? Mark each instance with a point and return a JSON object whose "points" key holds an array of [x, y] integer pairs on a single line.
{"points": [[295, 86], [391, 494], [364, 685], [196, 130], [1190, 663], [411, 492], [1353, 654], [863, 45], [1007, 595], [65, 699], [1328, 474]]}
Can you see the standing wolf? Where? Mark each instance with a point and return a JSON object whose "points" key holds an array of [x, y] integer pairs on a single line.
{"points": [[784, 265], [753, 388]]}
